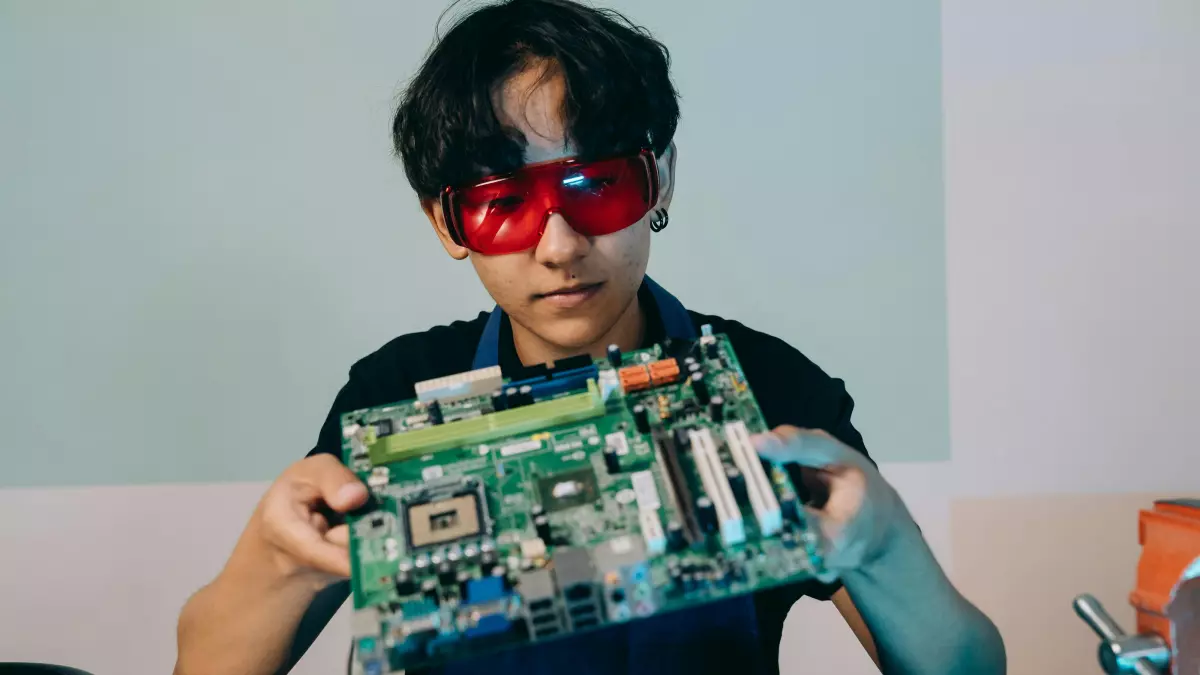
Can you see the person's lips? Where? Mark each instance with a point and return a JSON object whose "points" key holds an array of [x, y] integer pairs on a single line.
{"points": [[570, 296]]}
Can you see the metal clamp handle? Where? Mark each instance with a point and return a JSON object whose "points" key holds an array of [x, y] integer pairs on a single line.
{"points": [[1121, 653]]}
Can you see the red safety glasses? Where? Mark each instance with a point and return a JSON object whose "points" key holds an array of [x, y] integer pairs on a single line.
{"points": [[508, 213]]}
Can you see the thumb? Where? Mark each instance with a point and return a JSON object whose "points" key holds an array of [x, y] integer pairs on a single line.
{"points": [[337, 485], [789, 445]]}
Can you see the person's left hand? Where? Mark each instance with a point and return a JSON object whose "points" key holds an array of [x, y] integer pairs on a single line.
{"points": [[863, 510]]}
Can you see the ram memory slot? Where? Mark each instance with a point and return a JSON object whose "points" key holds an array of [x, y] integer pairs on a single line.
{"points": [[476, 430], [668, 454]]}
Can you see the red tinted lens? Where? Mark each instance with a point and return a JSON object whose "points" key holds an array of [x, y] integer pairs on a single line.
{"points": [[606, 196], [498, 216], [507, 214]]}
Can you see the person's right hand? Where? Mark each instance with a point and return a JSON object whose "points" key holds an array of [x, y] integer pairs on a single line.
{"points": [[289, 522]]}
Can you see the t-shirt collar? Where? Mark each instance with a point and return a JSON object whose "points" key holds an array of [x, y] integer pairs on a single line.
{"points": [[655, 331]]}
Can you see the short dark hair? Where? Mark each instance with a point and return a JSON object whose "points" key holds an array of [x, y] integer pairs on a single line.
{"points": [[619, 96]]}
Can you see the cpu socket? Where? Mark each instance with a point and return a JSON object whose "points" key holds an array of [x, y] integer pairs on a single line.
{"points": [[445, 513], [443, 521]]}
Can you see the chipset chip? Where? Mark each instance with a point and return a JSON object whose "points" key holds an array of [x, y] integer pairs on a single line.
{"points": [[568, 489], [444, 520]]}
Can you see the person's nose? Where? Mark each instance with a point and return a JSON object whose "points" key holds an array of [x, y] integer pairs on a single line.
{"points": [[561, 245]]}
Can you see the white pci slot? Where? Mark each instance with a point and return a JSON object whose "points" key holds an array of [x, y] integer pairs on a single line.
{"points": [[758, 487], [652, 532], [716, 484]]}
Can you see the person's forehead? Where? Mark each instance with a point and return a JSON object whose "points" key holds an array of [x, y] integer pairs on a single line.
{"points": [[539, 152], [531, 102]]}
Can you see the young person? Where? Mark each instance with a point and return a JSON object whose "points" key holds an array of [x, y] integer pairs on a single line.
{"points": [[575, 109]]}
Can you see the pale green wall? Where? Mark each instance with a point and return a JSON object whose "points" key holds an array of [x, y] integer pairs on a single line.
{"points": [[203, 226]]}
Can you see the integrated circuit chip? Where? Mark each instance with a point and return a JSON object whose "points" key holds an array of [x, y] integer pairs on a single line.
{"points": [[568, 490], [443, 521]]}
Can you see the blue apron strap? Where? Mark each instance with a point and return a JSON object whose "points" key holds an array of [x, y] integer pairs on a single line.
{"points": [[487, 352], [676, 321]]}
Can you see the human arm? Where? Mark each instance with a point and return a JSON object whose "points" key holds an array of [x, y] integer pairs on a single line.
{"points": [[850, 614], [245, 620], [918, 622]]}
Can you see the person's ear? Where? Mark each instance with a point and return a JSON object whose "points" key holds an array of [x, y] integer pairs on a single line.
{"points": [[433, 211], [666, 176]]}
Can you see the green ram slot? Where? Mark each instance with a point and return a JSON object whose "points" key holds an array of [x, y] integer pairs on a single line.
{"points": [[531, 418]]}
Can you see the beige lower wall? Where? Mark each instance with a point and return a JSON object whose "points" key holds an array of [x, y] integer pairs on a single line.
{"points": [[94, 577], [1023, 560]]}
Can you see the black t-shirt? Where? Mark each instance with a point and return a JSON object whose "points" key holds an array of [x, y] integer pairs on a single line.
{"points": [[790, 389]]}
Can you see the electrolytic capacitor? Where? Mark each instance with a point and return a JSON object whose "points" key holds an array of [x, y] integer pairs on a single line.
{"points": [[612, 462], [499, 401], [683, 438], [711, 350], [716, 409], [675, 539], [641, 418], [699, 387], [526, 395], [542, 525], [706, 514], [614, 356], [487, 562], [430, 590], [446, 573], [512, 398], [405, 584], [464, 578], [435, 412]]}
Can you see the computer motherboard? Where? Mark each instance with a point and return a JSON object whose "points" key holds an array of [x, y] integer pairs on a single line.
{"points": [[516, 508]]}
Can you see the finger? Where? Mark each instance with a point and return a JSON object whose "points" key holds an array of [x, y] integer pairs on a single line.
{"points": [[309, 548], [812, 485], [319, 522], [339, 536], [829, 534], [812, 448], [847, 492], [337, 486]]}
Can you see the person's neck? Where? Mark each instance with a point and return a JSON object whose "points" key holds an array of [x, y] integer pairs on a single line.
{"points": [[627, 333]]}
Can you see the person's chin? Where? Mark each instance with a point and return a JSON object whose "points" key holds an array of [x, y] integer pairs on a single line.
{"points": [[577, 332]]}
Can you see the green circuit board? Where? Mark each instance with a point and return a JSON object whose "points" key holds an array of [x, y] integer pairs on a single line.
{"points": [[509, 508]]}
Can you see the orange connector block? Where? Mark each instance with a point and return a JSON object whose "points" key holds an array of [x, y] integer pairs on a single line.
{"points": [[663, 372], [1170, 538], [634, 378]]}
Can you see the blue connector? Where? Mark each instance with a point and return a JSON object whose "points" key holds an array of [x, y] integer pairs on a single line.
{"points": [[483, 591]]}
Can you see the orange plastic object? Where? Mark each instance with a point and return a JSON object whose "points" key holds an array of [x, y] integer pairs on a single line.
{"points": [[634, 378], [664, 371], [1170, 539]]}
